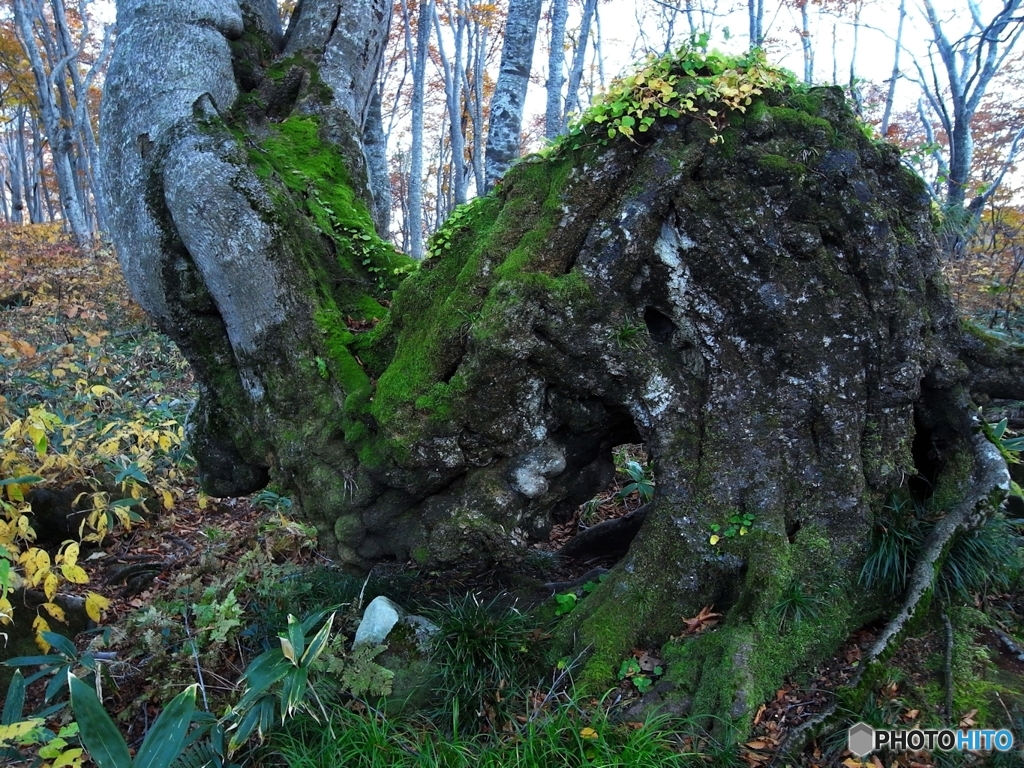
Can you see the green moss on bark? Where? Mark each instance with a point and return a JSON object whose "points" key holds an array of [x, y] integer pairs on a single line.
{"points": [[492, 255]]}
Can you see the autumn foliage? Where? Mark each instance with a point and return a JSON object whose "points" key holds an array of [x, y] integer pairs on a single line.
{"points": [[64, 424]]}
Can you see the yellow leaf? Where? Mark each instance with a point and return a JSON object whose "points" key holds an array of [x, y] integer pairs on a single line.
{"points": [[588, 733], [39, 626], [70, 554], [41, 559], [50, 584], [56, 611], [70, 757], [74, 573], [168, 499], [715, 539], [95, 605], [17, 731], [99, 390]]}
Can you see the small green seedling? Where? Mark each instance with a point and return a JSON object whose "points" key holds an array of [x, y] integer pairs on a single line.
{"points": [[737, 525], [640, 671], [565, 602]]}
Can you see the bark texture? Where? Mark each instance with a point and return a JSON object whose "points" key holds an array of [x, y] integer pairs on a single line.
{"points": [[503, 139], [765, 313]]}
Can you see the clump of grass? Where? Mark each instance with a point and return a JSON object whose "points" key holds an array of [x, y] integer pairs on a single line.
{"points": [[482, 653], [631, 335], [795, 606], [896, 538], [983, 559]]}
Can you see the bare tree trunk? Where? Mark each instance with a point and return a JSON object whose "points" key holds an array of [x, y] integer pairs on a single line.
{"points": [[479, 33], [968, 67], [453, 74], [418, 57], [572, 96], [835, 53], [28, 17], [5, 209], [16, 151], [376, 147], [40, 191], [806, 43], [503, 136], [755, 22], [83, 119], [890, 94], [855, 94], [556, 69]]}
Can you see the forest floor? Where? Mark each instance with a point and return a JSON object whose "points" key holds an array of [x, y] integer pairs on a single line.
{"points": [[188, 578]]}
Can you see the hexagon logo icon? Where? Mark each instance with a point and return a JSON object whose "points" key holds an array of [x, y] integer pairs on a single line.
{"points": [[860, 739]]}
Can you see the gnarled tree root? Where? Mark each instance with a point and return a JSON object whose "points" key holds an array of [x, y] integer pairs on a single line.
{"points": [[990, 481]]}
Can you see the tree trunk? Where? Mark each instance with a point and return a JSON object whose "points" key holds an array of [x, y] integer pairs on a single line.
{"points": [[572, 95], [18, 153], [55, 116], [39, 192], [454, 98], [890, 93], [968, 68], [377, 164], [755, 22], [503, 134], [805, 42], [556, 69], [479, 32], [765, 313], [418, 59]]}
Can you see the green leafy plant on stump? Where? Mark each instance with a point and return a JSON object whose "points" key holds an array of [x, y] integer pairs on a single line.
{"points": [[689, 81]]}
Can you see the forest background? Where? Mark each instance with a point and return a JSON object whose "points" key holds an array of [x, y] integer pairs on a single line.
{"points": [[941, 79]]}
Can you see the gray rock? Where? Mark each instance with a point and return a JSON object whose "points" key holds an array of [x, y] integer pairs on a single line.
{"points": [[423, 629], [531, 470], [379, 619]]}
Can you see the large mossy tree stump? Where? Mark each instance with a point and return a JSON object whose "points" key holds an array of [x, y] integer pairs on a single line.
{"points": [[756, 298]]}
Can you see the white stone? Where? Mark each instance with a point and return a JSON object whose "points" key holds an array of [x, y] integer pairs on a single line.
{"points": [[379, 619]]}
